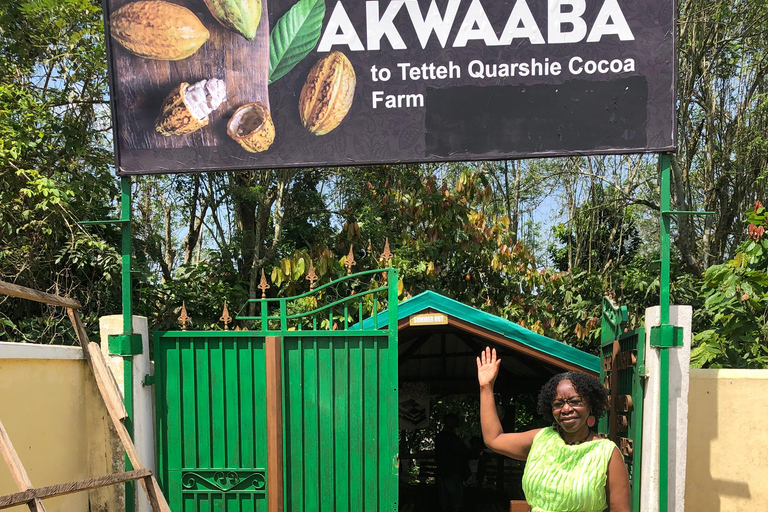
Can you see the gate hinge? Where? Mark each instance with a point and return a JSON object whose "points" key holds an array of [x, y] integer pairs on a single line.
{"points": [[124, 344], [666, 336], [149, 380]]}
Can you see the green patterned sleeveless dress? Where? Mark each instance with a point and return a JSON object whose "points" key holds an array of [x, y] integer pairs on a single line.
{"points": [[566, 478]]}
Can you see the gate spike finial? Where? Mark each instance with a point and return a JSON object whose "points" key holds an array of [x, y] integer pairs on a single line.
{"points": [[311, 275], [263, 286], [225, 317], [350, 261], [184, 317], [387, 254]]}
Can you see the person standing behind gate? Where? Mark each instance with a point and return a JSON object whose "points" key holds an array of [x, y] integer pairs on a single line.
{"points": [[452, 465], [569, 467]]}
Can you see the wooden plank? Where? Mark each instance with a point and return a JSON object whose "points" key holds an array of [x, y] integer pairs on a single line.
{"points": [[273, 352], [117, 414], [105, 381], [18, 472], [50, 491], [28, 293]]}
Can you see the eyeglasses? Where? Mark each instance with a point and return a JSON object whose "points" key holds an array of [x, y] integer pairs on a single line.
{"points": [[573, 402]]}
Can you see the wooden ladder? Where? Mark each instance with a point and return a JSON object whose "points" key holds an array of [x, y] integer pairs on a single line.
{"points": [[109, 392]]}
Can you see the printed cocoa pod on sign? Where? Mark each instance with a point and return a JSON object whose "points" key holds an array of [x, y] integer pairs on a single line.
{"points": [[186, 108], [242, 16], [327, 94], [251, 126], [158, 30]]}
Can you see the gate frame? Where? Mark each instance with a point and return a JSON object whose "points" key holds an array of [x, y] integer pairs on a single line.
{"points": [[274, 347]]}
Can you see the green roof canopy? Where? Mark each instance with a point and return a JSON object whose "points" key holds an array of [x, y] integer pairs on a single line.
{"points": [[441, 348]]}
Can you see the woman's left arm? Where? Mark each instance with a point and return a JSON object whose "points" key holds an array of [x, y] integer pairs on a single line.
{"points": [[617, 484]]}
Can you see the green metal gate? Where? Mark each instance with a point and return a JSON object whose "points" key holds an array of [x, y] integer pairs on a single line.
{"points": [[297, 414], [622, 372]]}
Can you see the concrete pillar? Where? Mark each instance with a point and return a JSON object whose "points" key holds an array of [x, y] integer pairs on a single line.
{"points": [[143, 396], [679, 360]]}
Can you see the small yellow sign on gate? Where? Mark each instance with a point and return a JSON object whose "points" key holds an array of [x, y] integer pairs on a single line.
{"points": [[429, 319]]}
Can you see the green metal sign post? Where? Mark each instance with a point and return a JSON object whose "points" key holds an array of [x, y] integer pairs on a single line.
{"points": [[126, 344], [126, 233], [666, 342], [665, 336]]}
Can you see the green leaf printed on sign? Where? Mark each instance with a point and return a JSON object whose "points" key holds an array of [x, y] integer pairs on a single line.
{"points": [[294, 36]]}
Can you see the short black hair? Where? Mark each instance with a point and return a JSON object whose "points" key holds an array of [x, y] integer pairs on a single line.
{"points": [[588, 387]]}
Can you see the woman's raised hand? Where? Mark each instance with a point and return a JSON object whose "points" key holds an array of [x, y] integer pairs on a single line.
{"points": [[487, 367]]}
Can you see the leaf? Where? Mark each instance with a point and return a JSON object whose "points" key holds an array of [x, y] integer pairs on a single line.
{"points": [[285, 267], [294, 36]]}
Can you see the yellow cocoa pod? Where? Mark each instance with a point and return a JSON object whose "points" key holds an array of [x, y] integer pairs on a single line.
{"points": [[327, 94], [251, 126], [158, 30], [186, 108], [242, 16]]}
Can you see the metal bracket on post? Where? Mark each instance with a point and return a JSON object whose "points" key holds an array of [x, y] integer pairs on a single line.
{"points": [[666, 336], [125, 344]]}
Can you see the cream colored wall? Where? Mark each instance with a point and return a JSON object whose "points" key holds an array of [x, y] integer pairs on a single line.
{"points": [[57, 422], [727, 467]]}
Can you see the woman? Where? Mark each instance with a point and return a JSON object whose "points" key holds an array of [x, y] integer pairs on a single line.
{"points": [[569, 467]]}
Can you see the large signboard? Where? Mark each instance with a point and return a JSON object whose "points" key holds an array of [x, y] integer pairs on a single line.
{"points": [[203, 85]]}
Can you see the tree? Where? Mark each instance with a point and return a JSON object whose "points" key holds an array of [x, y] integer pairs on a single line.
{"points": [[54, 163], [723, 117], [733, 325]]}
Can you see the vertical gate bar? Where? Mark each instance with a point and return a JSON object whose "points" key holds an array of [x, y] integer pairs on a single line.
{"points": [[310, 404], [161, 428], [356, 435], [246, 377], [204, 414], [392, 380], [188, 385], [376, 311], [360, 313], [346, 315], [172, 368], [273, 360], [664, 183], [341, 424], [637, 417], [613, 418], [264, 315], [325, 431], [295, 414], [125, 249], [231, 402], [218, 409], [370, 427], [283, 315]]}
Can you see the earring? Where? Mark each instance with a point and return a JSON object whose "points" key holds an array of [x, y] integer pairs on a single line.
{"points": [[591, 421], [556, 427]]}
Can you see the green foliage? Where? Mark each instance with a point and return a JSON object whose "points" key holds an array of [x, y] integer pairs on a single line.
{"points": [[600, 234], [202, 287], [55, 153], [733, 321]]}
